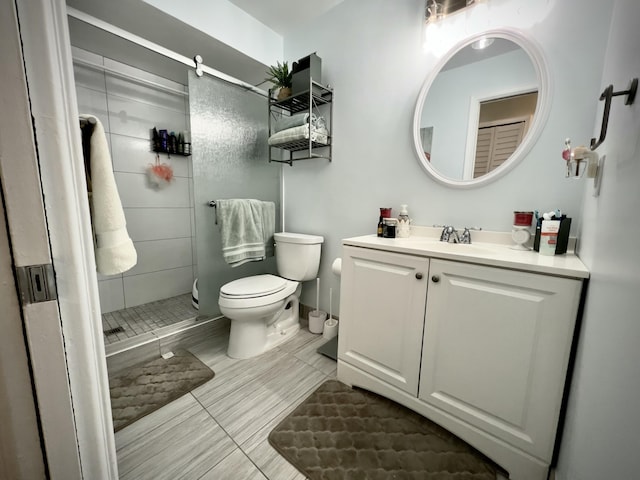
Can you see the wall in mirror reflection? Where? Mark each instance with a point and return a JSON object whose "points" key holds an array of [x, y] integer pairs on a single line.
{"points": [[452, 108]]}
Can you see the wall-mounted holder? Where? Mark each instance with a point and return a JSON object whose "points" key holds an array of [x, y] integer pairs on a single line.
{"points": [[607, 95], [580, 160]]}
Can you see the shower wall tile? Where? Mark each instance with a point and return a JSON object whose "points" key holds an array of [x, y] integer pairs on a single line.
{"points": [[143, 93], [151, 77], [148, 287], [157, 223], [86, 76], [92, 102], [111, 295], [137, 119], [79, 53], [134, 155], [136, 193], [157, 255]]}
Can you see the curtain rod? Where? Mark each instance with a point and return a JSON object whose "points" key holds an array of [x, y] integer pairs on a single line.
{"points": [[154, 47]]}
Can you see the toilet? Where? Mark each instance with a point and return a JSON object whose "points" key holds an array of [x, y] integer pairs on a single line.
{"points": [[263, 309]]}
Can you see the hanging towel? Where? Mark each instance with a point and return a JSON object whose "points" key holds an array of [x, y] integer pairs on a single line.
{"points": [[247, 227], [114, 249]]}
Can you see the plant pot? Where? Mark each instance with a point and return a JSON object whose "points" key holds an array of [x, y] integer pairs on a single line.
{"points": [[284, 92]]}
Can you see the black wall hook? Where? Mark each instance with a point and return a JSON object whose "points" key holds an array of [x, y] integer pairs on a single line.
{"points": [[607, 95]]}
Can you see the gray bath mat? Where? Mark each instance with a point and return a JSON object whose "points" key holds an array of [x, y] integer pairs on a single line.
{"points": [[144, 388], [341, 433]]}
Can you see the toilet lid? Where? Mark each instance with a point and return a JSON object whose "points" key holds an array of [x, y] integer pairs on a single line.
{"points": [[256, 286]]}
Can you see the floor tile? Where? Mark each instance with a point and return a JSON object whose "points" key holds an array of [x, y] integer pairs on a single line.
{"points": [[267, 459], [235, 466], [187, 450], [308, 354], [255, 403]]}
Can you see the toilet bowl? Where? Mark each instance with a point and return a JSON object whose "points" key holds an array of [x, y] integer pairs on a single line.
{"points": [[264, 313], [264, 309]]}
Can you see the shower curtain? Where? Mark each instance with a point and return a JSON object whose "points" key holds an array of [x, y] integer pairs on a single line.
{"points": [[230, 160]]}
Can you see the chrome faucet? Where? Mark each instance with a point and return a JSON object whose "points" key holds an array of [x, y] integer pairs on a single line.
{"points": [[466, 236], [447, 232]]}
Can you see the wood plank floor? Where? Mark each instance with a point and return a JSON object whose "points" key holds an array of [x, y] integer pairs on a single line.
{"points": [[219, 431]]}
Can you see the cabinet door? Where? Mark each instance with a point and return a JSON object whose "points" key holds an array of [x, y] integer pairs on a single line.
{"points": [[496, 348], [382, 301]]}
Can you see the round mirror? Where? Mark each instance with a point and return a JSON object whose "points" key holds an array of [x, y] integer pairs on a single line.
{"points": [[482, 109]]}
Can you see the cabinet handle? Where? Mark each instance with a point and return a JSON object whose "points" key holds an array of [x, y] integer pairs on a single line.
{"points": [[435, 278], [419, 276]]}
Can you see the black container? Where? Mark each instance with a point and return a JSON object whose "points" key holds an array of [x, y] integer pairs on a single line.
{"points": [[305, 69], [563, 235]]}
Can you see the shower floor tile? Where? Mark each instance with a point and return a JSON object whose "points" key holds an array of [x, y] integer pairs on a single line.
{"points": [[133, 321]]}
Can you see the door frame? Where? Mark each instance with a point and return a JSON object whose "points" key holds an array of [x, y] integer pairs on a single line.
{"points": [[46, 198]]}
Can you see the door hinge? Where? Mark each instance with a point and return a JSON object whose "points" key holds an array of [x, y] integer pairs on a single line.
{"points": [[36, 283]]}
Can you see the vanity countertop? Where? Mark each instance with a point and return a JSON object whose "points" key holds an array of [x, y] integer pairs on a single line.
{"points": [[488, 248]]}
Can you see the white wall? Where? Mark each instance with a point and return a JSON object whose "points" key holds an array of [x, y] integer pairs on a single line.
{"points": [[224, 21], [160, 222], [601, 435], [373, 55]]}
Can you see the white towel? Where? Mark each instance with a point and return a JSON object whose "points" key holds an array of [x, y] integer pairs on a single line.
{"points": [[284, 122], [115, 252], [318, 135], [247, 227]]}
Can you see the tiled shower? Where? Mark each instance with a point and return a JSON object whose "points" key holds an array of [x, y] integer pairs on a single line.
{"points": [[157, 291]]}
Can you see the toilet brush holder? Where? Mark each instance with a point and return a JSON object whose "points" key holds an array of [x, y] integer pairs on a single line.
{"points": [[316, 320], [330, 328]]}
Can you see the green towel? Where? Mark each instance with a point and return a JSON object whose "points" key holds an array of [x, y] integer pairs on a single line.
{"points": [[247, 227]]}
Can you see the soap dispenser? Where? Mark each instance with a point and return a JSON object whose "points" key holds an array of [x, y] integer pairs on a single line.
{"points": [[403, 230]]}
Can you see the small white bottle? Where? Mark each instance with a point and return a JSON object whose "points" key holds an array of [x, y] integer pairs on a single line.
{"points": [[403, 223]]}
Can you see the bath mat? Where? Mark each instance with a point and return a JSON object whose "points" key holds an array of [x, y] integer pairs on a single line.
{"points": [[146, 387], [341, 433]]}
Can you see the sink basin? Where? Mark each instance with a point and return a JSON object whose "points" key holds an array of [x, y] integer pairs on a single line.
{"points": [[435, 245]]}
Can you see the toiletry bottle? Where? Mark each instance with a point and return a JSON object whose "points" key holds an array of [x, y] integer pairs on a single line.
{"points": [[403, 230], [549, 237], [380, 227]]}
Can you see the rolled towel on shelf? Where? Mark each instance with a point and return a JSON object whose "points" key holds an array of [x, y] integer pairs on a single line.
{"points": [[296, 120], [318, 135]]}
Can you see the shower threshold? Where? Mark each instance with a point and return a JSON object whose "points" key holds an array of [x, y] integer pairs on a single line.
{"points": [[144, 332]]}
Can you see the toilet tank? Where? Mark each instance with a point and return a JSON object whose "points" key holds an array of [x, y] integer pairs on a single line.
{"points": [[298, 255]]}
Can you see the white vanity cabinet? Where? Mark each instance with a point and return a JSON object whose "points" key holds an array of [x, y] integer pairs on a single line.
{"points": [[384, 302], [480, 349], [496, 347]]}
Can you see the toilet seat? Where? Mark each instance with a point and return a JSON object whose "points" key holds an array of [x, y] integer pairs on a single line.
{"points": [[255, 286], [255, 291]]}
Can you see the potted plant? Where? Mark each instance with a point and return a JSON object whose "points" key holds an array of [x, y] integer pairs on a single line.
{"points": [[281, 76]]}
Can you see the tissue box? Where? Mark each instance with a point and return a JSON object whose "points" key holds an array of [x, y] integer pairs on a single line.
{"points": [[563, 235], [305, 69]]}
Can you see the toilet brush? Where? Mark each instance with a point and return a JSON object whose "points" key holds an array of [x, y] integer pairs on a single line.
{"points": [[330, 325], [317, 317]]}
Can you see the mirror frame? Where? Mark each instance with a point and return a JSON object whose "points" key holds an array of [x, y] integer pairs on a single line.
{"points": [[543, 106]]}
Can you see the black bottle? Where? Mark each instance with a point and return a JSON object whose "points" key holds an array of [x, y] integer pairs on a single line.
{"points": [[380, 227]]}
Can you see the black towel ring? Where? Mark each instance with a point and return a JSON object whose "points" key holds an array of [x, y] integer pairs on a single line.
{"points": [[607, 95]]}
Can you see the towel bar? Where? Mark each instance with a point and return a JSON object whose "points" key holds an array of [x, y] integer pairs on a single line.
{"points": [[212, 203]]}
